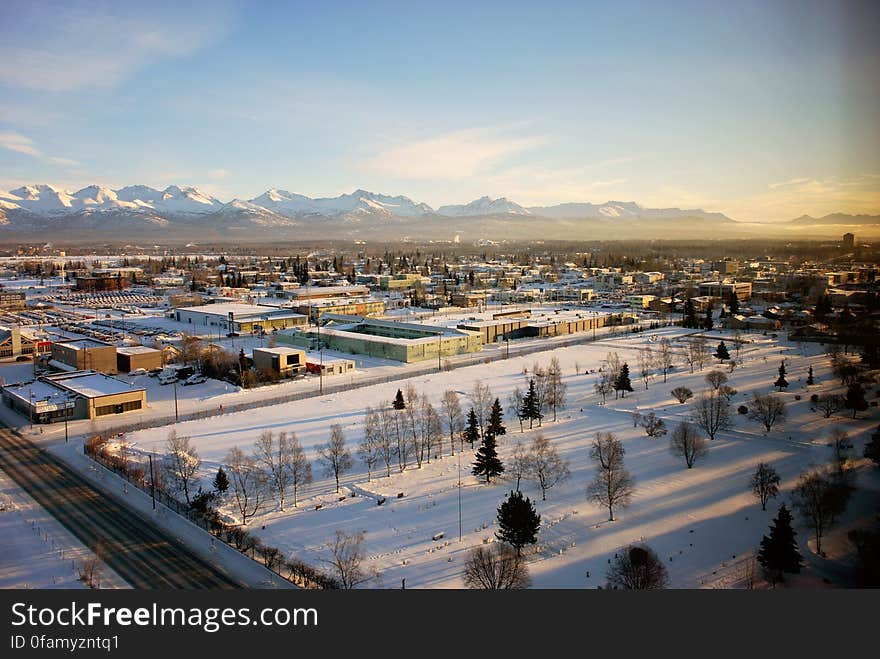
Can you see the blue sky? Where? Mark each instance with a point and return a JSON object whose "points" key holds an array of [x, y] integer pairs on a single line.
{"points": [[761, 110]]}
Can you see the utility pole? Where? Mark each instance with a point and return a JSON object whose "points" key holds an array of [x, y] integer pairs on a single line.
{"points": [[176, 416], [152, 481], [66, 414]]}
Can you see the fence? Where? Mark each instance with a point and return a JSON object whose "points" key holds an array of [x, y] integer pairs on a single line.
{"points": [[233, 536]]}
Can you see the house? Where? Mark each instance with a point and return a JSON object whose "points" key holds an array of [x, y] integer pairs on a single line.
{"points": [[282, 361]]}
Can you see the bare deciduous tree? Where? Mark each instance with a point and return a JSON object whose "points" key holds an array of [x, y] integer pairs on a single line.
{"points": [[515, 406], [495, 567], [181, 464], [368, 448], [646, 363], [347, 557], [765, 483], [767, 409], [518, 466], [654, 426], [841, 449], [716, 379], [814, 500], [386, 436], [276, 458], [613, 485], [555, 390], [452, 417], [300, 467], [544, 464], [91, 569], [247, 482], [664, 357], [637, 567], [688, 443], [335, 454], [711, 413], [682, 394], [830, 404], [604, 385]]}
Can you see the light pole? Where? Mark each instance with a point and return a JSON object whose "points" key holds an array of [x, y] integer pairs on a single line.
{"points": [[176, 416], [459, 496]]}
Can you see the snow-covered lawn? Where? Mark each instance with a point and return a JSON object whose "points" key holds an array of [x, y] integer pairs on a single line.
{"points": [[699, 521]]}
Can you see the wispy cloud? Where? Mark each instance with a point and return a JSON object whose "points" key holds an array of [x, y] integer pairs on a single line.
{"points": [[59, 48], [219, 173], [451, 156], [17, 142], [68, 162]]}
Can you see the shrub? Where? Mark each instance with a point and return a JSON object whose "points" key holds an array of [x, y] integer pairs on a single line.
{"points": [[742, 409], [814, 398]]}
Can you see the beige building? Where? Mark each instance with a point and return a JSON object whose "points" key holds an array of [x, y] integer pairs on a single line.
{"points": [[283, 361], [79, 395], [131, 358], [84, 354]]}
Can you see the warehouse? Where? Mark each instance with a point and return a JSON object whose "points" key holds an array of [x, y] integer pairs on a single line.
{"points": [[238, 317], [131, 358], [85, 394], [84, 354], [403, 342]]}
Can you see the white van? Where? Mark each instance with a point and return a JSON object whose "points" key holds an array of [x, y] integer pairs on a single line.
{"points": [[168, 377]]}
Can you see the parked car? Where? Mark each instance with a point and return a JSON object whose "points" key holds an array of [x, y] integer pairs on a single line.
{"points": [[138, 371], [197, 378], [168, 377], [153, 372]]}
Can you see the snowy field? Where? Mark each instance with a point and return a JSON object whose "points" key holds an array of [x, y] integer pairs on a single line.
{"points": [[700, 521], [35, 550]]}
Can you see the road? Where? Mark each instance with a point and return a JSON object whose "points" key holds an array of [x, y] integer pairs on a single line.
{"points": [[135, 548]]}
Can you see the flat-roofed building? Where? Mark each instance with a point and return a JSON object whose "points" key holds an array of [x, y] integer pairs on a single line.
{"points": [[282, 360], [84, 354], [131, 358], [12, 300], [238, 317], [725, 290], [403, 342], [78, 395]]}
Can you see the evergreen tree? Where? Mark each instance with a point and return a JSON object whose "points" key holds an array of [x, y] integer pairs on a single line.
{"points": [[221, 481], [779, 550], [781, 383], [487, 463], [708, 323], [690, 315], [495, 426], [472, 430], [721, 352], [855, 398], [733, 307], [531, 407], [810, 379], [399, 403], [518, 522], [622, 382]]}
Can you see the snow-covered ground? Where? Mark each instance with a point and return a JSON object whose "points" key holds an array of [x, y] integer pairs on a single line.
{"points": [[700, 521], [35, 550]]}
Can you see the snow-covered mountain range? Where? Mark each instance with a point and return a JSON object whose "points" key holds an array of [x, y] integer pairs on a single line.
{"points": [[47, 201], [177, 212]]}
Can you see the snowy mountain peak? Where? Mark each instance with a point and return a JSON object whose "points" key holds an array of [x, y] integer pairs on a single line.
{"points": [[484, 206]]}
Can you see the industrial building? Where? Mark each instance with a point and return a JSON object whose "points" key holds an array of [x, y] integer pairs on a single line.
{"points": [[283, 361], [403, 342], [131, 358], [331, 366], [83, 354], [725, 290], [237, 317], [502, 328], [13, 343], [79, 395]]}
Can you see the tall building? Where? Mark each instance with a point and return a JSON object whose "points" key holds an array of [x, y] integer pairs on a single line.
{"points": [[849, 240]]}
